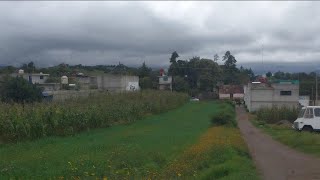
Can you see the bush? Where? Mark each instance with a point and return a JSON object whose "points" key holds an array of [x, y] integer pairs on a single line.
{"points": [[275, 114], [225, 116], [19, 90]]}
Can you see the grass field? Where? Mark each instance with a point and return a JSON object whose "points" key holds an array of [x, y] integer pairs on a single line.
{"points": [[303, 141], [178, 144]]}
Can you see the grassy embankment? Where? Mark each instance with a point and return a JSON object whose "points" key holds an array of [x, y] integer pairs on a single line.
{"points": [[177, 144], [303, 141]]}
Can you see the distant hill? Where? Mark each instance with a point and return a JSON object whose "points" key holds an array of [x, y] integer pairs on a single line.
{"points": [[291, 67]]}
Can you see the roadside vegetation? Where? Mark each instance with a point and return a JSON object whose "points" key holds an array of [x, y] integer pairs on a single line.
{"points": [[182, 143], [268, 121], [226, 116], [19, 90], [33, 121], [275, 114]]}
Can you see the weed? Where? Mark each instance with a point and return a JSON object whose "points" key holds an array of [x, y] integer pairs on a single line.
{"points": [[275, 114]]}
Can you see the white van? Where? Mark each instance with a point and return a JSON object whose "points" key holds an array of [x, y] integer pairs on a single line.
{"points": [[308, 119]]}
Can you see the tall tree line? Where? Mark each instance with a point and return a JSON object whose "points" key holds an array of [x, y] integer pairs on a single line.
{"points": [[203, 74]]}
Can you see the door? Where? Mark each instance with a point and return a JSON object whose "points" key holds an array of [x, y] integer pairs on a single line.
{"points": [[316, 119], [308, 117]]}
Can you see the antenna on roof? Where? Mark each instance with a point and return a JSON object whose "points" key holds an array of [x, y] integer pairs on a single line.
{"points": [[263, 70]]}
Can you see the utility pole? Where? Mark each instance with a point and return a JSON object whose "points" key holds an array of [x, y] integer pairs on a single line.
{"points": [[312, 96], [316, 89], [263, 69]]}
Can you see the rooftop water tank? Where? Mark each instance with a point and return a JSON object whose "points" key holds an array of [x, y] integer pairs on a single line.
{"points": [[64, 80]]}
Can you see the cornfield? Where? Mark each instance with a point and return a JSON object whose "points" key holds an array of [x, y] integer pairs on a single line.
{"points": [[33, 121]]}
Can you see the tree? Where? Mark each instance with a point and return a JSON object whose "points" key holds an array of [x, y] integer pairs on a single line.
{"points": [[29, 68], [269, 74], [144, 70], [19, 90], [180, 84], [174, 57], [229, 60], [216, 58], [120, 69], [145, 83], [7, 70], [230, 69]]}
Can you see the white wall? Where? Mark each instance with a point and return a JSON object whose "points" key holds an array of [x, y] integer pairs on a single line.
{"points": [[238, 95], [116, 82], [162, 81], [36, 78], [224, 96], [257, 96]]}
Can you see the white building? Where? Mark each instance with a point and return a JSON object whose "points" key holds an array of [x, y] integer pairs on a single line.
{"points": [[38, 78], [165, 82], [34, 78], [278, 93]]}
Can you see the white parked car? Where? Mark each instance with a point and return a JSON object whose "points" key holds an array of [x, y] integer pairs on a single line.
{"points": [[308, 119], [194, 99]]}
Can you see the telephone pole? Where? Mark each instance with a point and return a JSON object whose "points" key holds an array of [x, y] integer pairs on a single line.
{"points": [[316, 89]]}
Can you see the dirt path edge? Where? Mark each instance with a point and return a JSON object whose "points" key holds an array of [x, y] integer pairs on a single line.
{"points": [[274, 160]]}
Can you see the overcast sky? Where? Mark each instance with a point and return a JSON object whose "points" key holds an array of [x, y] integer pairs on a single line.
{"points": [[92, 33]]}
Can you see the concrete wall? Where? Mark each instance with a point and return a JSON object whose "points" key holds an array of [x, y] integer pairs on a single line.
{"points": [[238, 96], [69, 94], [227, 96], [162, 81], [224, 96], [87, 83], [165, 85], [116, 83], [258, 96]]}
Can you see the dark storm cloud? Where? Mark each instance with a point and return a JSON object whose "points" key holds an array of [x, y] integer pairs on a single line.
{"points": [[132, 32]]}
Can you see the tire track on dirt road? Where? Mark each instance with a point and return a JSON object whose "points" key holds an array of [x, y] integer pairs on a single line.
{"points": [[274, 160]]}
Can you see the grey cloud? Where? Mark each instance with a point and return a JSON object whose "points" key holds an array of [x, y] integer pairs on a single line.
{"points": [[133, 32]]}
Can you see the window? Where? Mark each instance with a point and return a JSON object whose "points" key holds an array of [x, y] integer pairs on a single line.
{"points": [[317, 112], [309, 113], [285, 93], [41, 77], [301, 113]]}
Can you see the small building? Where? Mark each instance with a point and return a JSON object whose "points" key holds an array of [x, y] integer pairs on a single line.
{"points": [[231, 92], [276, 93], [165, 82], [34, 78]]}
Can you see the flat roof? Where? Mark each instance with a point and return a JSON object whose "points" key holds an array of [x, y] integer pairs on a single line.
{"points": [[39, 74]]}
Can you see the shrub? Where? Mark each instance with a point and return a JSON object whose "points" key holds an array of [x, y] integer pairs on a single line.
{"points": [[19, 90], [275, 114], [225, 116]]}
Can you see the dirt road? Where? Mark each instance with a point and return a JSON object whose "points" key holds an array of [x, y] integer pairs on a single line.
{"points": [[274, 160]]}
